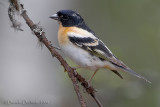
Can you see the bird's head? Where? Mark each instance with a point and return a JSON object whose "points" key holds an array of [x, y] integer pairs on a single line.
{"points": [[68, 18]]}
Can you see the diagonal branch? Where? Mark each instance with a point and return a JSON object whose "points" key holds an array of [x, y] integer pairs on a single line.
{"points": [[54, 53], [75, 77]]}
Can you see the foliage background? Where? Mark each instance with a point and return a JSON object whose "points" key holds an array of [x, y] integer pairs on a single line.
{"points": [[130, 28]]}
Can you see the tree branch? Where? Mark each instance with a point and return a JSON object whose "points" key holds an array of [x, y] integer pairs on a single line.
{"points": [[75, 77], [54, 53]]}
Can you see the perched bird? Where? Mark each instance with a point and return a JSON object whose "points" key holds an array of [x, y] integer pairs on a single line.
{"points": [[83, 47]]}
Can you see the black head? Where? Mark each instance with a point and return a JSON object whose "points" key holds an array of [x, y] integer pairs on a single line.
{"points": [[68, 18]]}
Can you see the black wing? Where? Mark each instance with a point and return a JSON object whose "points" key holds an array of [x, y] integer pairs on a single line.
{"points": [[95, 47]]}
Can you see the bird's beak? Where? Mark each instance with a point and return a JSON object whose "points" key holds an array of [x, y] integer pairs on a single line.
{"points": [[55, 17]]}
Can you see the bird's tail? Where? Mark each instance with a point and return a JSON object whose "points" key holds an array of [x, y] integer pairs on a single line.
{"points": [[130, 71], [117, 65]]}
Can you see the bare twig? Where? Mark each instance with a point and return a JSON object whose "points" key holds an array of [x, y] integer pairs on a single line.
{"points": [[40, 34]]}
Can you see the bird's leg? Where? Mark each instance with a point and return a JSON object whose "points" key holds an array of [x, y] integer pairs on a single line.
{"points": [[89, 81], [75, 68]]}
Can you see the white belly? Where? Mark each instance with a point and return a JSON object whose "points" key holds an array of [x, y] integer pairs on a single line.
{"points": [[82, 57]]}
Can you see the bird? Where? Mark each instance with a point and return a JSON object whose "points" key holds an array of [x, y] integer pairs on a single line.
{"points": [[82, 46]]}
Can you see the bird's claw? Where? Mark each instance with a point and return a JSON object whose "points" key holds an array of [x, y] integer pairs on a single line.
{"points": [[89, 83]]}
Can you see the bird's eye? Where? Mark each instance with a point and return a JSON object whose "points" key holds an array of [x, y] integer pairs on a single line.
{"points": [[64, 17], [61, 16]]}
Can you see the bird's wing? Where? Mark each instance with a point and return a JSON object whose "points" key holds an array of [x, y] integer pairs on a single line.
{"points": [[97, 48]]}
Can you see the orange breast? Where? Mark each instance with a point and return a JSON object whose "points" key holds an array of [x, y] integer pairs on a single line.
{"points": [[62, 35]]}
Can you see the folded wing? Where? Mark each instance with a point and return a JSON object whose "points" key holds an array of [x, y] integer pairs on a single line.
{"points": [[98, 48]]}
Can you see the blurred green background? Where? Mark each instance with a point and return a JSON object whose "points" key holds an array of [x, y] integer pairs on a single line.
{"points": [[130, 28]]}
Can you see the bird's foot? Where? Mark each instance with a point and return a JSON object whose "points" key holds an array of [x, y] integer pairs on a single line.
{"points": [[89, 85], [77, 67], [89, 82]]}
